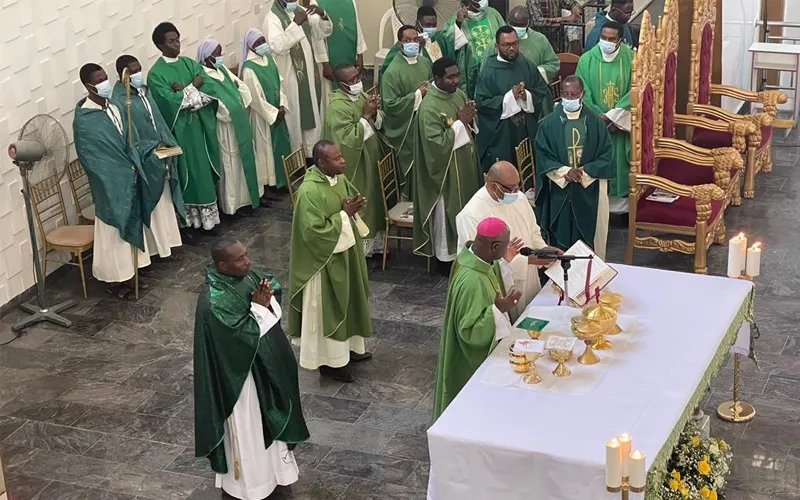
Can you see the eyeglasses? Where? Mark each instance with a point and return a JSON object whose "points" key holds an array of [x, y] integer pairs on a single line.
{"points": [[506, 189]]}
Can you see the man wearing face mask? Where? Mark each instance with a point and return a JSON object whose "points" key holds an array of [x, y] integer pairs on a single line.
{"points": [[353, 123], [606, 75], [403, 86], [534, 45], [500, 197], [512, 97], [238, 185], [271, 141], [573, 165], [619, 12]]}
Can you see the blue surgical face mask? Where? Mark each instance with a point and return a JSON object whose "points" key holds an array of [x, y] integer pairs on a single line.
{"points": [[483, 5], [291, 6], [521, 32], [219, 62], [262, 49], [137, 80], [411, 49], [607, 47], [103, 89], [509, 198], [430, 31], [571, 105]]}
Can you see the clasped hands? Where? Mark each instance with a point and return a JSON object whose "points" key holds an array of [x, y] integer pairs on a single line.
{"points": [[263, 294], [516, 245], [371, 106], [519, 91], [197, 82], [354, 204]]}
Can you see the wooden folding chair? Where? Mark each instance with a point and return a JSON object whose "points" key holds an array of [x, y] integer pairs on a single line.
{"points": [[294, 166], [81, 192]]}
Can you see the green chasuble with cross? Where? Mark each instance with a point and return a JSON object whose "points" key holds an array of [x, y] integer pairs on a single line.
{"points": [[398, 92], [607, 86], [569, 214], [468, 333], [344, 128], [228, 346], [343, 42], [498, 137], [195, 130], [480, 34], [316, 229], [536, 47]]}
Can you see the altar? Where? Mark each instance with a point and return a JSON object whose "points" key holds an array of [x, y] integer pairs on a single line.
{"points": [[512, 442]]}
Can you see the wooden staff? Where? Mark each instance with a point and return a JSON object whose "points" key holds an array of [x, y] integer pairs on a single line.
{"points": [[126, 81]]}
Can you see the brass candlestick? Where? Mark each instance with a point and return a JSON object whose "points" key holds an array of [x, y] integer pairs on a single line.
{"points": [[588, 332], [606, 317], [626, 489]]}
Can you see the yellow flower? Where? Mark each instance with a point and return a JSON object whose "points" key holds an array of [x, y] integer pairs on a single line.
{"points": [[704, 492], [674, 484], [684, 490], [712, 495], [723, 445], [695, 441], [675, 474], [703, 467]]}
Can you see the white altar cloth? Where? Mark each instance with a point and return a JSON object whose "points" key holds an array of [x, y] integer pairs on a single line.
{"points": [[513, 443]]}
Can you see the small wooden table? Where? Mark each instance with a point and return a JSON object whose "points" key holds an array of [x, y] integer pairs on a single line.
{"points": [[782, 57]]}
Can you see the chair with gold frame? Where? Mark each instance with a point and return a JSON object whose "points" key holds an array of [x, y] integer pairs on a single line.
{"points": [[48, 209], [701, 89], [695, 218], [527, 173], [294, 167], [81, 192]]}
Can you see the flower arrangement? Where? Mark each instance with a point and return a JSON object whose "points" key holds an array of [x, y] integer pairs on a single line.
{"points": [[698, 467]]}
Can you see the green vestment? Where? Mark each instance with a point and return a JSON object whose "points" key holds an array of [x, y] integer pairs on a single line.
{"points": [[270, 81], [316, 227], [468, 333], [227, 348], [498, 137], [570, 214], [151, 128], [440, 171], [343, 42], [480, 34], [398, 91], [536, 47], [195, 131], [446, 39], [114, 170], [607, 86], [343, 127], [228, 94]]}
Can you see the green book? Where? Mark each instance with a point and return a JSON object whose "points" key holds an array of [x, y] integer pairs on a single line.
{"points": [[535, 324]]}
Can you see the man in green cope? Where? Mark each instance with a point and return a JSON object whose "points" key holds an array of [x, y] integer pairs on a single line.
{"points": [[476, 314], [247, 417], [353, 123], [606, 74], [329, 308], [573, 163], [512, 97], [175, 82], [403, 86], [446, 170], [534, 45]]}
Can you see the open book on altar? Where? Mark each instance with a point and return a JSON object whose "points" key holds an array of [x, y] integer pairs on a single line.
{"points": [[162, 153], [583, 286]]}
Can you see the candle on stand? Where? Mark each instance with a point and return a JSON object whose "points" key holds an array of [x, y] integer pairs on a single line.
{"points": [[638, 471], [737, 253], [625, 450], [753, 267], [613, 464]]}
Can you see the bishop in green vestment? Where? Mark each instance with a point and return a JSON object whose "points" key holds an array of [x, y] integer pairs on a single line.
{"points": [[247, 415], [175, 83], [573, 163], [329, 308], [606, 74], [512, 98], [446, 169], [403, 86], [476, 314]]}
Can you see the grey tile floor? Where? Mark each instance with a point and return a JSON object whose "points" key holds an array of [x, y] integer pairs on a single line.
{"points": [[104, 411]]}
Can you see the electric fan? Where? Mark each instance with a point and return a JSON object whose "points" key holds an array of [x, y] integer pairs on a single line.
{"points": [[41, 155], [406, 10]]}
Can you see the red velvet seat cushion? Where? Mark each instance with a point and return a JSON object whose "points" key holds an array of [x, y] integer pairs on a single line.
{"points": [[682, 212], [711, 139], [687, 173]]}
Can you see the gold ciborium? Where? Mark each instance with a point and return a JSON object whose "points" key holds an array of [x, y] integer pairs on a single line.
{"points": [[532, 377], [606, 317], [518, 360], [561, 356], [614, 301], [588, 332]]}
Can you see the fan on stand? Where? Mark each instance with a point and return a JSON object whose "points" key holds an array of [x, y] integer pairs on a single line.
{"points": [[406, 10], [41, 154]]}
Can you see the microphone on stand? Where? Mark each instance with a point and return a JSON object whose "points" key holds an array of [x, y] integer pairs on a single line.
{"points": [[545, 253]]}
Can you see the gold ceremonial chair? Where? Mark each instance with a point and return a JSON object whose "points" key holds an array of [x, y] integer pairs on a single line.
{"points": [[48, 208], [527, 174], [81, 192], [294, 167], [695, 218]]}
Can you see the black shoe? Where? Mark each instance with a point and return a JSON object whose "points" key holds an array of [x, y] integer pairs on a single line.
{"points": [[343, 374], [443, 268], [190, 236], [357, 358], [246, 211]]}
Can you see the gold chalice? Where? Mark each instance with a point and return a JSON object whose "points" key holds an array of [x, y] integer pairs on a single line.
{"points": [[561, 356], [588, 332], [614, 301], [532, 377], [518, 360], [606, 317]]}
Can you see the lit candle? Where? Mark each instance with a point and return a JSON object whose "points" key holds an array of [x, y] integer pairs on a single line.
{"points": [[753, 260], [637, 469], [737, 248], [613, 464], [625, 450]]}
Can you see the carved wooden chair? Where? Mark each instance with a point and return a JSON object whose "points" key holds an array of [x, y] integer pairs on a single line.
{"points": [[568, 65], [527, 174], [294, 166], [696, 218], [759, 135], [81, 192]]}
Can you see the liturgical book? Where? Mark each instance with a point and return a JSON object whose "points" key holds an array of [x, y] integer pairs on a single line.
{"points": [[583, 286]]}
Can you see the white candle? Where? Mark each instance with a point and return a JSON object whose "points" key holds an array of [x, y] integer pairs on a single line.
{"points": [[737, 247], [637, 469], [625, 450], [613, 464], [753, 260]]}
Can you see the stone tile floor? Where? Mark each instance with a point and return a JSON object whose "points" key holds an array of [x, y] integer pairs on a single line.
{"points": [[104, 411]]}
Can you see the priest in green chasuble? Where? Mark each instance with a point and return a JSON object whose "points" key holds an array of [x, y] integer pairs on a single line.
{"points": [[268, 111], [606, 74], [534, 45], [512, 97], [446, 169], [574, 162], [479, 298], [353, 123], [174, 82], [248, 417], [329, 308], [403, 86]]}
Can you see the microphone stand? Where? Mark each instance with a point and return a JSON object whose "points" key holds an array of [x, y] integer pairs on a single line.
{"points": [[566, 263]]}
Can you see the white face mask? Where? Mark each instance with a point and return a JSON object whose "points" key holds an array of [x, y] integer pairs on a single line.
{"points": [[571, 105], [509, 198], [356, 88], [137, 80], [607, 47], [103, 89], [262, 49], [521, 32], [291, 6]]}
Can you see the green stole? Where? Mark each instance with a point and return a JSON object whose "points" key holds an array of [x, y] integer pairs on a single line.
{"points": [[227, 348], [343, 42], [270, 81], [307, 119]]}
